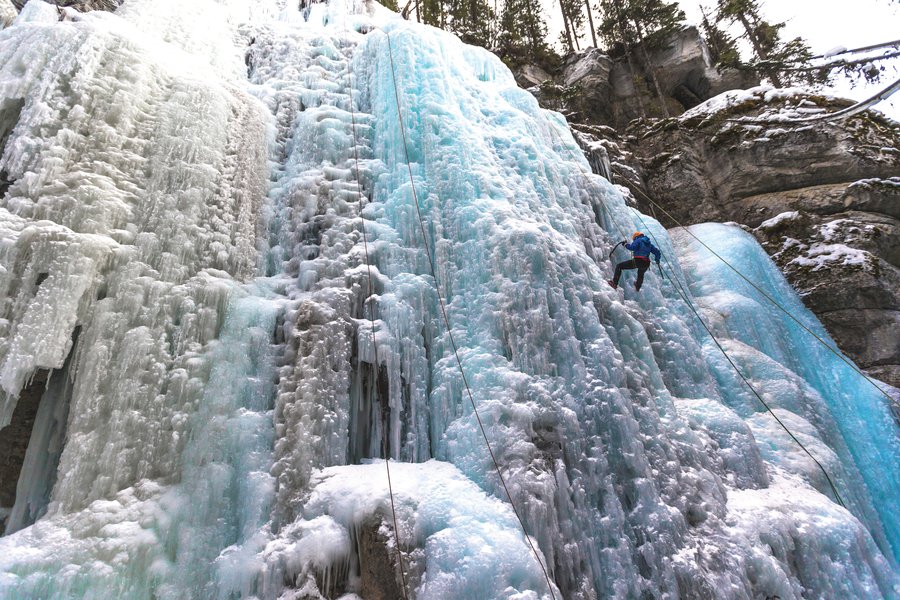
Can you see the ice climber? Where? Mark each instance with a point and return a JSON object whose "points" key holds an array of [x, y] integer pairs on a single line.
{"points": [[641, 247]]}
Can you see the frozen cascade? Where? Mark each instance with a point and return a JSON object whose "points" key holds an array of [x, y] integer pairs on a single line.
{"points": [[44, 449], [801, 367], [224, 433]]}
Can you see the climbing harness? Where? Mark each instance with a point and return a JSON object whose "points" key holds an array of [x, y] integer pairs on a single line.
{"points": [[385, 450], [895, 406], [446, 321], [685, 297]]}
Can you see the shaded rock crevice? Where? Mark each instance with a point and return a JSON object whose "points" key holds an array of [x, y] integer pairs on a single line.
{"points": [[14, 442]]}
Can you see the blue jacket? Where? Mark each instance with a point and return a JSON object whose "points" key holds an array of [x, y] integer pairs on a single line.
{"points": [[642, 247]]}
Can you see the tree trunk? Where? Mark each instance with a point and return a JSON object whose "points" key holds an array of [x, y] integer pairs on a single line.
{"points": [[536, 39], [405, 12], [587, 5], [575, 37], [760, 52], [562, 9], [651, 70], [623, 38]]}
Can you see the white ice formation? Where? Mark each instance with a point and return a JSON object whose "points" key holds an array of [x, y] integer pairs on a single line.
{"points": [[197, 198]]}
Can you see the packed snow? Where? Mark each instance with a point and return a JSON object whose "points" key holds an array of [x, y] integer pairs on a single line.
{"points": [[819, 256], [202, 197], [779, 220], [769, 106]]}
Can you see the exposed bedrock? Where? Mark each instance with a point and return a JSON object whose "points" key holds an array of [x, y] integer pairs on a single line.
{"points": [[612, 89], [832, 182]]}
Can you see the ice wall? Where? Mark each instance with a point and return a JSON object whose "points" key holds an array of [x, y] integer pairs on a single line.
{"points": [[132, 213], [838, 398], [191, 187]]}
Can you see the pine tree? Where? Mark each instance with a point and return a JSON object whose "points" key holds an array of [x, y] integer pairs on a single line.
{"points": [[722, 47], [432, 12], [522, 33], [656, 20], [772, 54], [636, 21], [614, 32], [472, 21], [573, 19], [644, 25]]}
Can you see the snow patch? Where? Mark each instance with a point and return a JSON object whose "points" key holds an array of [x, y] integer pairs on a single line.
{"points": [[821, 255], [779, 220]]}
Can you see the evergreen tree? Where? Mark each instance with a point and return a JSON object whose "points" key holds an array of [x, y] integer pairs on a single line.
{"points": [[634, 22], [722, 47], [869, 66], [432, 12], [772, 55], [573, 20], [522, 35], [643, 25], [613, 30], [656, 20], [472, 21]]}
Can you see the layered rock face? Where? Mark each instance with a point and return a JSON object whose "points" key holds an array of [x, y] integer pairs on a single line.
{"points": [[593, 87], [685, 75], [846, 265], [737, 157], [819, 195], [710, 163]]}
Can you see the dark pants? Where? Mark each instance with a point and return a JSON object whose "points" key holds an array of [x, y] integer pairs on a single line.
{"points": [[635, 263]]}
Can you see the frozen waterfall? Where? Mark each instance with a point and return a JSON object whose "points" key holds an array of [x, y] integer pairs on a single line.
{"points": [[184, 193]]}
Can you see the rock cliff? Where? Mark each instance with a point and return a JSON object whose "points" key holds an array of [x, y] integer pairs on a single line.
{"points": [[818, 194], [594, 87], [821, 196], [840, 249]]}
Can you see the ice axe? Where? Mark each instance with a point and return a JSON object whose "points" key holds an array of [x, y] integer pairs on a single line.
{"points": [[614, 249]]}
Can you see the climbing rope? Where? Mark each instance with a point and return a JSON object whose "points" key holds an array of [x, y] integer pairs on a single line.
{"points": [[447, 323], [686, 298], [385, 448], [684, 295], [895, 406]]}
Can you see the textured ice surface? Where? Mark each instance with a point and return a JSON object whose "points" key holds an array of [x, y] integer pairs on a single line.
{"points": [[853, 407], [473, 547], [185, 190]]}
